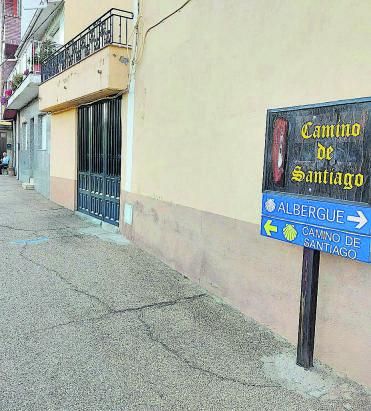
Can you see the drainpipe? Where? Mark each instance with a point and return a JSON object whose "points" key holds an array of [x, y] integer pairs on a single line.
{"points": [[16, 147], [13, 150], [131, 104]]}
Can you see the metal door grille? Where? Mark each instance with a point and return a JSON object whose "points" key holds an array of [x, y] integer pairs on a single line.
{"points": [[99, 162]]}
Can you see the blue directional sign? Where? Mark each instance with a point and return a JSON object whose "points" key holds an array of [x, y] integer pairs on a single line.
{"points": [[334, 227]]}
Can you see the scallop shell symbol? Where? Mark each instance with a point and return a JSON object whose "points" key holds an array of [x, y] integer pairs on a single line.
{"points": [[290, 232], [270, 205]]}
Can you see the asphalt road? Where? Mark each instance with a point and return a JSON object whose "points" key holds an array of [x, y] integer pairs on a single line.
{"points": [[90, 322]]}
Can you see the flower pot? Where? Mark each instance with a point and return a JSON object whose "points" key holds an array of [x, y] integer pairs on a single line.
{"points": [[37, 68]]}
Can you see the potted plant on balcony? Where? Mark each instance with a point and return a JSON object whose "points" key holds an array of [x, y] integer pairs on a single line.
{"points": [[16, 81], [8, 92], [46, 49]]}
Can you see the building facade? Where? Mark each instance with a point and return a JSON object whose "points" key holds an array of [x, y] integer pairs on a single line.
{"points": [[33, 136], [82, 88], [43, 36], [190, 109], [10, 35]]}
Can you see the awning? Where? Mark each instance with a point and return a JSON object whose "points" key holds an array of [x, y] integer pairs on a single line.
{"points": [[5, 123], [9, 114]]}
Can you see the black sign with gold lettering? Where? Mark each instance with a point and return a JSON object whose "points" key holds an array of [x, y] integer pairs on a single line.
{"points": [[322, 151], [318, 151]]}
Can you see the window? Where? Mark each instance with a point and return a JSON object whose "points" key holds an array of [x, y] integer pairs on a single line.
{"points": [[2, 142], [24, 137], [32, 133], [42, 132]]}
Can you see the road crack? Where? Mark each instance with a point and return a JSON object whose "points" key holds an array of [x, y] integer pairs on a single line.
{"points": [[112, 311], [191, 364], [70, 284], [25, 230], [109, 309], [160, 304]]}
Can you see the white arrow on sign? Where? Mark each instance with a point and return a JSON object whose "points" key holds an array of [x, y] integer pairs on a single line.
{"points": [[361, 219]]}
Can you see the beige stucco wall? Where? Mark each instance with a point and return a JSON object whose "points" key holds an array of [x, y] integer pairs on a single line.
{"points": [[107, 74], [199, 129], [219, 66], [63, 158], [80, 13]]}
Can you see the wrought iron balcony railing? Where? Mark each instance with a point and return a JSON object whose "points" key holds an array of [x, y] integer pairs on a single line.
{"points": [[28, 62], [113, 28]]}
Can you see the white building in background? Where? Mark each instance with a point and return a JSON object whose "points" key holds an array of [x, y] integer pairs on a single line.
{"points": [[42, 26]]}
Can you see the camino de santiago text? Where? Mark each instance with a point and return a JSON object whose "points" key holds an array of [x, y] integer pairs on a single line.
{"points": [[328, 176], [331, 242]]}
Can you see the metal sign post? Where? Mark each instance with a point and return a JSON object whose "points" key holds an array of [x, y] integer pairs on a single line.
{"points": [[308, 307], [317, 192]]}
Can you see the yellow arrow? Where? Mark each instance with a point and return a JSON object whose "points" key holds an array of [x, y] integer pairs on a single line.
{"points": [[269, 228]]}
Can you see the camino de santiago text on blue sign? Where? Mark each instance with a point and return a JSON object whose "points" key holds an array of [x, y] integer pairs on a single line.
{"points": [[333, 227]]}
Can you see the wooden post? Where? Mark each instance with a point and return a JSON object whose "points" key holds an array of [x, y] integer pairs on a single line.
{"points": [[308, 306]]}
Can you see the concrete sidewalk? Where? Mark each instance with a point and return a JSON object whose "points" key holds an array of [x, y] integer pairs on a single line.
{"points": [[90, 322]]}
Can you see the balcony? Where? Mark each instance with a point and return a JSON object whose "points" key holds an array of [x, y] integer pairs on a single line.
{"points": [[94, 64], [23, 82]]}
